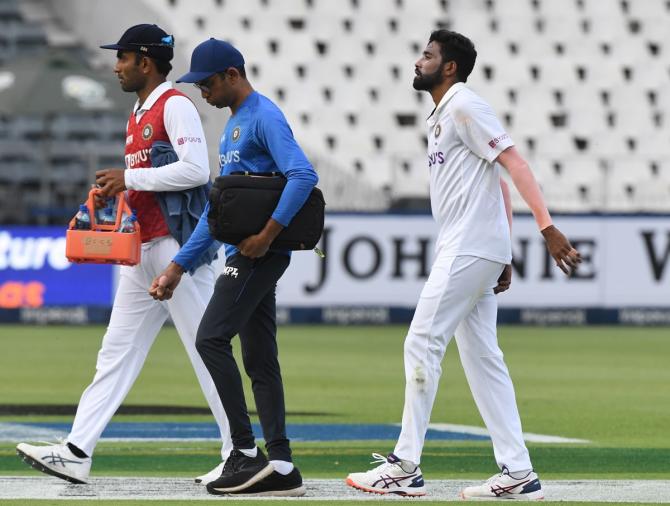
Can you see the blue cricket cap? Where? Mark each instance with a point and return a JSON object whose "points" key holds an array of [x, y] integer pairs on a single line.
{"points": [[210, 57], [146, 39]]}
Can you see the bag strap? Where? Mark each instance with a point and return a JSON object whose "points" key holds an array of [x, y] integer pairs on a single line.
{"points": [[260, 174]]}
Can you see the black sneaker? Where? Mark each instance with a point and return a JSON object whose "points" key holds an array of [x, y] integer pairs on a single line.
{"points": [[278, 485], [240, 472]]}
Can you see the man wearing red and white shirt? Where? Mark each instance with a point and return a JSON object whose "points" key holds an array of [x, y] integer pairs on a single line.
{"points": [[470, 203], [168, 198]]}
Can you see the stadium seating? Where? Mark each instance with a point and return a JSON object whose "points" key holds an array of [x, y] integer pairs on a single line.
{"points": [[582, 86]]}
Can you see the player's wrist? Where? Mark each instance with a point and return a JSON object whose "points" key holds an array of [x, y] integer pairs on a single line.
{"points": [[177, 268]]}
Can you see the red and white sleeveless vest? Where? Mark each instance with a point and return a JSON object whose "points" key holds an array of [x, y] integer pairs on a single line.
{"points": [[140, 137]]}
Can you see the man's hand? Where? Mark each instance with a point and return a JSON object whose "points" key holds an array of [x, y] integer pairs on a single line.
{"points": [[257, 245], [164, 285], [111, 181], [254, 246], [567, 258], [504, 280], [98, 200]]}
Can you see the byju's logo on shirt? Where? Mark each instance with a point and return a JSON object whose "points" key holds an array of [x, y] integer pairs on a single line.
{"points": [[137, 158], [497, 140], [435, 158], [228, 157]]}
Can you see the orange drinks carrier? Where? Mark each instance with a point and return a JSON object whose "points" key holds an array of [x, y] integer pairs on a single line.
{"points": [[104, 243]]}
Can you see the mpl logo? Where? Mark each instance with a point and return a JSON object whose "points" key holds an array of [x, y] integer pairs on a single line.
{"points": [[25, 253], [230, 271]]}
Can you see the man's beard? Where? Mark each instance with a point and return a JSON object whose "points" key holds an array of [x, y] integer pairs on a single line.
{"points": [[130, 86], [429, 81]]}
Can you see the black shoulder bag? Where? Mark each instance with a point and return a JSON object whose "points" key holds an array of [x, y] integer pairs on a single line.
{"points": [[240, 206]]}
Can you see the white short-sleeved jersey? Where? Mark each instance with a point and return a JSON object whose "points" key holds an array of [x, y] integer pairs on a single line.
{"points": [[464, 139]]}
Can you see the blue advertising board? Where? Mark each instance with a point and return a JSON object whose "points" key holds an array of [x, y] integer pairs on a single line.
{"points": [[34, 272]]}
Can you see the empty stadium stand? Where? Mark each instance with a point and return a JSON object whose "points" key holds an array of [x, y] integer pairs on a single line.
{"points": [[582, 86]]}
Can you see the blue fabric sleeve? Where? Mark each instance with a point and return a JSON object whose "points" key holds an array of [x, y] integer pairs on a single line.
{"points": [[197, 244], [276, 136]]}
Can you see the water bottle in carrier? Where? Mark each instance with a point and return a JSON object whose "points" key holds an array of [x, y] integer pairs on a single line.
{"points": [[104, 243], [82, 221], [128, 223], [107, 215]]}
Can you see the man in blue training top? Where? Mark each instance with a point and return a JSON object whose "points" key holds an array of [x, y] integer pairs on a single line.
{"points": [[256, 139]]}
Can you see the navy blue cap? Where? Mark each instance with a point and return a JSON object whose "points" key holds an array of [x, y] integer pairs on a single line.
{"points": [[210, 57], [145, 39]]}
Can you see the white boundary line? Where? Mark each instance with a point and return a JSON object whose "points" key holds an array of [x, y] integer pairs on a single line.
{"points": [[133, 488], [480, 431], [10, 432]]}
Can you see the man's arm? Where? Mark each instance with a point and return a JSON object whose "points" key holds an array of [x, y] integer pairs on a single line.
{"points": [[276, 136], [166, 282], [559, 247], [184, 130], [505, 278]]}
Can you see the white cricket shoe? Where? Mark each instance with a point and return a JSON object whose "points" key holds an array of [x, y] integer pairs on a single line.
{"points": [[56, 460], [212, 475], [390, 477], [503, 486]]}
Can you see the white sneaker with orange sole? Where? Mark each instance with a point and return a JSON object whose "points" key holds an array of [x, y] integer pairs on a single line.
{"points": [[392, 476]]}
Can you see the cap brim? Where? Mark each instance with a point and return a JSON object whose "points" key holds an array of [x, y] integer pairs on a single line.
{"points": [[194, 77], [114, 46]]}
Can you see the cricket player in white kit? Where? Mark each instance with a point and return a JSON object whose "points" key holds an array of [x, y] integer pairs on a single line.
{"points": [[164, 115], [470, 203]]}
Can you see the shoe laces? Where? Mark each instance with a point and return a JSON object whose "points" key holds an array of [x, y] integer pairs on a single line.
{"points": [[232, 462], [503, 472], [383, 464]]}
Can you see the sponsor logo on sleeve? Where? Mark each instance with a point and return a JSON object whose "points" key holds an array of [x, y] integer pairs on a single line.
{"points": [[497, 140], [183, 140]]}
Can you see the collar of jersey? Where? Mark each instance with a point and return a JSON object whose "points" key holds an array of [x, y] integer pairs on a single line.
{"points": [[455, 88], [153, 97], [247, 101]]}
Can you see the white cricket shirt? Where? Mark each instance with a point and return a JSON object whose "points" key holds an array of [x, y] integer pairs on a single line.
{"points": [[464, 139], [183, 126]]}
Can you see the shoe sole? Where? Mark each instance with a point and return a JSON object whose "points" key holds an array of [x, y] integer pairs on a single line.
{"points": [[36, 464], [400, 492], [263, 473], [292, 492], [531, 496]]}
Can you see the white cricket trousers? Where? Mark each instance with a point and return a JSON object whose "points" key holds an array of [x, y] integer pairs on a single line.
{"points": [[135, 322], [458, 300]]}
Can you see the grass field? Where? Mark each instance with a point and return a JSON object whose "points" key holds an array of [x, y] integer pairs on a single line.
{"points": [[610, 385]]}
